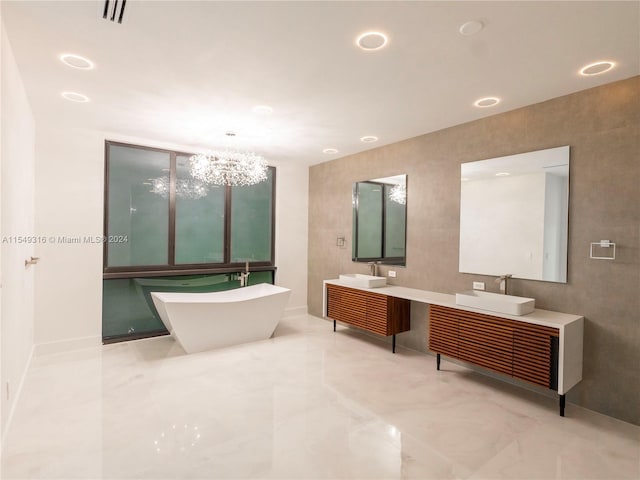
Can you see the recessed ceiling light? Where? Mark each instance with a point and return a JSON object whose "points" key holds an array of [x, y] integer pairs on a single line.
{"points": [[75, 97], [597, 68], [486, 102], [76, 61], [369, 139], [372, 40], [330, 151], [471, 28], [262, 109], [502, 174]]}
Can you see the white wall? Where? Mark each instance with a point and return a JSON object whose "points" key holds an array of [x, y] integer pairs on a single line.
{"points": [[2, 37], [292, 200], [69, 202], [69, 198], [16, 223]]}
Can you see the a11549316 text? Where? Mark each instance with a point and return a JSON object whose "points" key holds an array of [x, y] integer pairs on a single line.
{"points": [[63, 239]]}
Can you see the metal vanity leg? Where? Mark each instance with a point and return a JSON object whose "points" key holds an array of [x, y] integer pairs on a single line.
{"points": [[393, 343], [334, 325], [562, 404], [437, 361]]}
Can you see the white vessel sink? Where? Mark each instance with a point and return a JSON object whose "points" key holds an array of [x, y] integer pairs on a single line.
{"points": [[365, 281], [496, 302]]}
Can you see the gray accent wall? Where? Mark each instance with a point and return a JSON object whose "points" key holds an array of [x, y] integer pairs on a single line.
{"points": [[602, 126]]}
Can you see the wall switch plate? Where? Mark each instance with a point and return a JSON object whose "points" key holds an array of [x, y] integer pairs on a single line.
{"points": [[392, 274], [478, 285]]}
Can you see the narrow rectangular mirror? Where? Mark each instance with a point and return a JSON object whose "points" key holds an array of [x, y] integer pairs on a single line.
{"points": [[514, 214], [379, 220]]}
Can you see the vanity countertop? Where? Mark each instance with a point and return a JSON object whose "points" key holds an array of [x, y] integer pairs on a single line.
{"points": [[539, 317]]}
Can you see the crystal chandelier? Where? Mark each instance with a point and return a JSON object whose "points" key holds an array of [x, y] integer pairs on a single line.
{"points": [[185, 188], [398, 194], [191, 189], [159, 186], [229, 168]]}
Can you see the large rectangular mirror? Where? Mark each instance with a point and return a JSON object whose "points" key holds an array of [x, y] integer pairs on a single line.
{"points": [[380, 220], [514, 214]]}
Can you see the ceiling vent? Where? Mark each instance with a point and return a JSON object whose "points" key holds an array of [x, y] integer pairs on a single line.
{"points": [[113, 12]]}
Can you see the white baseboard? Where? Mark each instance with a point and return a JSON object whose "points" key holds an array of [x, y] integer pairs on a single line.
{"points": [[67, 345], [16, 397], [295, 311]]}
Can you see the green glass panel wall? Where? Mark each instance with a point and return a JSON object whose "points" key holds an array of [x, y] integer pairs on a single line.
{"points": [[127, 307], [251, 221], [138, 216], [199, 218], [369, 220]]}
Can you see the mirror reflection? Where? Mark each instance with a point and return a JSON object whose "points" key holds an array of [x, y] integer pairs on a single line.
{"points": [[379, 220], [514, 215]]}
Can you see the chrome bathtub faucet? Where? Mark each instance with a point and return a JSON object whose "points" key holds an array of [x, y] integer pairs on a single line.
{"points": [[244, 276]]}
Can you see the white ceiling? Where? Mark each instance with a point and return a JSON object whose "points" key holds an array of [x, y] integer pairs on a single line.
{"points": [[185, 72]]}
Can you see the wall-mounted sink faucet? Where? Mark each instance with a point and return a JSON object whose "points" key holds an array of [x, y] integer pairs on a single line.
{"points": [[503, 282], [373, 268]]}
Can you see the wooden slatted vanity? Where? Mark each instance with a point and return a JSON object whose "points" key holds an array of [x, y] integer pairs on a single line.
{"points": [[364, 308], [543, 347]]}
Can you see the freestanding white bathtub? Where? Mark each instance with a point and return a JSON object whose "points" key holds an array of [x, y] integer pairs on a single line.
{"points": [[204, 321]]}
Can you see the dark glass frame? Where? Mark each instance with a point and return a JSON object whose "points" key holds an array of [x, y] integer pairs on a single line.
{"points": [[382, 259], [226, 266]]}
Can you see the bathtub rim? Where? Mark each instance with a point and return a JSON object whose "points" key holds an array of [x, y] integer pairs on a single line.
{"points": [[234, 295]]}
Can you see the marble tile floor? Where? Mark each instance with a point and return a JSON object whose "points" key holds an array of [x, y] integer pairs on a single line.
{"points": [[306, 404]]}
